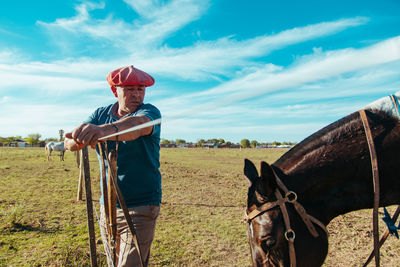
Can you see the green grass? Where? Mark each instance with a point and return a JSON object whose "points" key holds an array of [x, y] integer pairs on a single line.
{"points": [[204, 196]]}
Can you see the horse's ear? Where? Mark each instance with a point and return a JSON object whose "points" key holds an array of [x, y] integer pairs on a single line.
{"points": [[250, 171], [267, 183]]}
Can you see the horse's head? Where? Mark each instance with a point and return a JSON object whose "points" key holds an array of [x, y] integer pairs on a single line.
{"points": [[266, 231], [268, 237]]}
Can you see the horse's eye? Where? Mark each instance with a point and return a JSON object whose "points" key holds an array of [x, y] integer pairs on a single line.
{"points": [[267, 243]]}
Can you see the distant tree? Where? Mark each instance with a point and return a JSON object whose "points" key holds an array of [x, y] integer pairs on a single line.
{"points": [[220, 141], [180, 141], [9, 139], [228, 144], [33, 139], [42, 143], [245, 143], [213, 140], [253, 143], [276, 143], [61, 133], [50, 139], [200, 143], [165, 142]]}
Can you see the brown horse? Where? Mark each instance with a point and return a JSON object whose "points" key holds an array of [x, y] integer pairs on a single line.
{"points": [[330, 172]]}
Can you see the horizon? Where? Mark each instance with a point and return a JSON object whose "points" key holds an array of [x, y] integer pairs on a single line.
{"points": [[265, 71], [48, 139]]}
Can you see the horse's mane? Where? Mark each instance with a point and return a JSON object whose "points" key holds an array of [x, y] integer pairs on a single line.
{"points": [[330, 134], [326, 135]]}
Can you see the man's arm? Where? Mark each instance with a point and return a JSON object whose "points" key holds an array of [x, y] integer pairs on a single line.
{"points": [[88, 134]]}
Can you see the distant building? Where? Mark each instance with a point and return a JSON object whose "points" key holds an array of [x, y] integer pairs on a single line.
{"points": [[209, 145], [168, 145], [18, 143], [183, 145], [228, 145]]}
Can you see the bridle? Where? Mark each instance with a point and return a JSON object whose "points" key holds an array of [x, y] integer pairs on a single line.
{"points": [[291, 197], [290, 235]]}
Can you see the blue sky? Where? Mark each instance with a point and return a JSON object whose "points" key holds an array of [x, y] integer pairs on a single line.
{"points": [[261, 70]]}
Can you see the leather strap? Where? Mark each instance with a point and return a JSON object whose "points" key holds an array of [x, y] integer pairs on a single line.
{"points": [[300, 209], [289, 234], [395, 104], [375, 177], [263, 208]]}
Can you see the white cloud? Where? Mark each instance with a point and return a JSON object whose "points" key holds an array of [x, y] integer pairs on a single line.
{"points": [[12, 34], [138, 35], [309, 69], [58, 85], [11, 55], [325, 87], [300, 88], [6, 99], [46, 118], [213, 58], [142, 41], [194, 129], [203, 61], [145, 8], [74, 23], [283, 99]]}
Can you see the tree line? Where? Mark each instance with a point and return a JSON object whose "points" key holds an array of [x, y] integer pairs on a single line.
{"points": [[32, 139], [245, 143], [35, 139]]}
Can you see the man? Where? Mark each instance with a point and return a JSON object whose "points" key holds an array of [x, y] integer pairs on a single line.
{"points": [[139, 178]]}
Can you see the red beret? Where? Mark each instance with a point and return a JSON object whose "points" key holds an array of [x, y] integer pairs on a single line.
{"points": [[128, 75]]}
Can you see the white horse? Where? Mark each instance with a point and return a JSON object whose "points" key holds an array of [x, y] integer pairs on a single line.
{"points": [[56, 146]]}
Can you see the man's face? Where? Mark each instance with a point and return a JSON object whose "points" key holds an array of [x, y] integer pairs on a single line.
{"points": [[130, 98]]}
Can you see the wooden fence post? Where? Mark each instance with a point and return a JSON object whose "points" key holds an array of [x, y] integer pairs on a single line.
{"points": [[78, 158], [89, 206], [80, 166]]}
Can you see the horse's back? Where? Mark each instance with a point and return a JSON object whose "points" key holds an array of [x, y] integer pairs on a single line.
{"points": [[49, 145], [59, 146]]}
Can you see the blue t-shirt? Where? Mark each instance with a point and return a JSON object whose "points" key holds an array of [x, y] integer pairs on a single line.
{"points": [[138, 161]]}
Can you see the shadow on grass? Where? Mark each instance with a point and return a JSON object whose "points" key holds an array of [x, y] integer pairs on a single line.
{"points": [[21, 227]]}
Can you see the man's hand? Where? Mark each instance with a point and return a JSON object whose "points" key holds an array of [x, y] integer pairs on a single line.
{"points": [[89, 134], [83, 135]]}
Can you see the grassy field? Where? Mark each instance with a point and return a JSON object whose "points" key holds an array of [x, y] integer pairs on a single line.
{"points": [[204, 196]]}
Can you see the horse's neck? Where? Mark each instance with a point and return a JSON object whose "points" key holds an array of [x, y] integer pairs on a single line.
{"points": [[331, 170]]}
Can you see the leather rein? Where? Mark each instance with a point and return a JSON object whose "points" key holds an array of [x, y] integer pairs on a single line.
{"points": [[291, 197], [375, 175]]}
